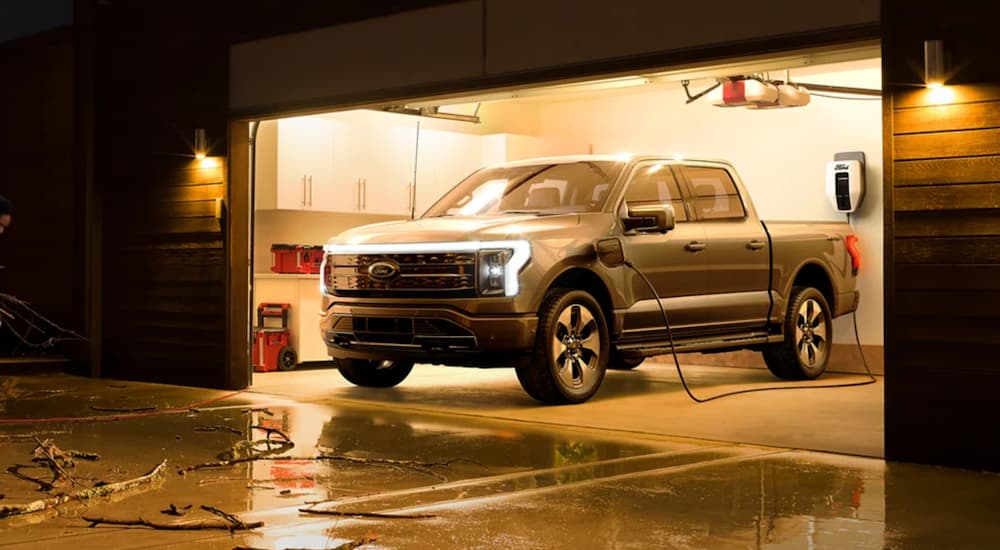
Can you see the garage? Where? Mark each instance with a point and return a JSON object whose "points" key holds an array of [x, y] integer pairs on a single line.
{"points": [[333, 165]]}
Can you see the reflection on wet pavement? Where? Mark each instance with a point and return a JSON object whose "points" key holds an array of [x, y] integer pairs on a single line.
{"points": [[486, 483]]}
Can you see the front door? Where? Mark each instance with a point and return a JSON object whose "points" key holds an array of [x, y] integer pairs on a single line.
{"points": [[675, 262]]}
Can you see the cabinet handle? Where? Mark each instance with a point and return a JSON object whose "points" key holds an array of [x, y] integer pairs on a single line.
{"points": [[303, 190], [364, 196], [357, 200], [310, 190]]}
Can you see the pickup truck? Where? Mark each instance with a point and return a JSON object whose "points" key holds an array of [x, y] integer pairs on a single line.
{"points": [[550, 266]]}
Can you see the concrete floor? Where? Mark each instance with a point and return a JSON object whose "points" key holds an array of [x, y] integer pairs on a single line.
{"points": [[493, 469]]}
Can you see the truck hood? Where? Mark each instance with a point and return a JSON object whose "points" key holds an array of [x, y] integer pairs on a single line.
{"points": [[457, 228]]}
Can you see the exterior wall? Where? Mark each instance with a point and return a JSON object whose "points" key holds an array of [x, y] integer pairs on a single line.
{"points": [[942, 243], [40, 252], [485, 43]]}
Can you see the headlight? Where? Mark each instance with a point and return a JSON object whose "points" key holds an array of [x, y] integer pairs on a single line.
{"points": [[492, 272]]}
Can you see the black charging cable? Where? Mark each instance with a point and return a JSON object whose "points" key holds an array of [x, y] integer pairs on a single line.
{"points": [[680, 373]]}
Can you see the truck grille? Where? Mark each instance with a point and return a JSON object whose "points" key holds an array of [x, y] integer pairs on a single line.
{"points": [[451, 274]]}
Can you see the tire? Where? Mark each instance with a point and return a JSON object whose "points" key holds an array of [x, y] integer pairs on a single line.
{"points": [[619, 362], [374, 374], [287, 358], [808, 334], [571, 350]]}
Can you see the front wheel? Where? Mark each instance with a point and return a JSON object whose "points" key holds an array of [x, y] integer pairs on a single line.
{"points": [[374, 374], [808, 334], [571, 350]]}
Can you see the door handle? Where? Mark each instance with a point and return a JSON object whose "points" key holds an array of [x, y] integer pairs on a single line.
{"points": [[694, 246], [756, 244], [310, 190]]}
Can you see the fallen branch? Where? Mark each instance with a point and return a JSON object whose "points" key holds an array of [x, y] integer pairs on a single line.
{"points": [[365, 514], [31, 435], [258, 410], [85, 494], [180, 526]]}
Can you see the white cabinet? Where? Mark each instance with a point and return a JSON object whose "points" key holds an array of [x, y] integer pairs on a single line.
{"points": [[373, 164], [303, 294], [294, 164]]}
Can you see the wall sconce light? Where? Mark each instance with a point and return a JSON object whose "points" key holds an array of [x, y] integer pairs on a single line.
{"points": [[200, 144], [934, 63]]}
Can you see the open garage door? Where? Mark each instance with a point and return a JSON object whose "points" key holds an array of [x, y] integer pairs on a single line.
{"points": [[326, 172]]}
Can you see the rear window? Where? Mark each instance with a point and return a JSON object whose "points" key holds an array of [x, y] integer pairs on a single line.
{"points": [[714, 195]]}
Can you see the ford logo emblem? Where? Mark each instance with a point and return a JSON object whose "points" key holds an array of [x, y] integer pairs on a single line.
{"points": [[383, 270]]}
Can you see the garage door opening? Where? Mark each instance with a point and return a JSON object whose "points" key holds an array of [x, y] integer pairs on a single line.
{"points": [[320, 174]]}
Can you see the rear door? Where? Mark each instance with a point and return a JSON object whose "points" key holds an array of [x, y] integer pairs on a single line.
{"points": [[675, 262], [737, 246]]}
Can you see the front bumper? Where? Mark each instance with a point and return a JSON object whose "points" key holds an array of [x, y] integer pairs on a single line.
{"points": [[427, 334]]}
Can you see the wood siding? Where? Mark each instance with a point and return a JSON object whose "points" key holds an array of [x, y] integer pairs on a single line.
{"points": [[943, 324], [40, 252]]}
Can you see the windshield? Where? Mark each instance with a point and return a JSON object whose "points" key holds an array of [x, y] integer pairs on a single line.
{"points": [[535, 188]]}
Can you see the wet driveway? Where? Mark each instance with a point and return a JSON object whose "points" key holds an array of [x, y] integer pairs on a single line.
{"points": [[412, 479]]}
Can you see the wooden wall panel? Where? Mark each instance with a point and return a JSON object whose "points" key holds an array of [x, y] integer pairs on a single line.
{"points": [[954, 170], [965, 143], [943, 324]]}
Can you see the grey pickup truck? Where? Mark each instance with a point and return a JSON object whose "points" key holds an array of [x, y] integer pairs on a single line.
{"points": [[550, 266]]}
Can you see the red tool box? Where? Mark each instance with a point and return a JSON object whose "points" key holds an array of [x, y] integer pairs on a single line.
{"points": [[296, 258], [271, 347]]}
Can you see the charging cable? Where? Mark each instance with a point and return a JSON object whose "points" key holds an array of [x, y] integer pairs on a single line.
{"points": [[680, 373]]}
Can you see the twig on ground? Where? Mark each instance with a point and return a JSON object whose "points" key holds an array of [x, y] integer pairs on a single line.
{"points": [[56, 459], [237, 523], [219, 428], [263, 410], [365, 514], [85, 494], [8, 437]]}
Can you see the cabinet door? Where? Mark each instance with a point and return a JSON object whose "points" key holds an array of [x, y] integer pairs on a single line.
{"points": [[305, 163], [444, 159], [384, 156]]}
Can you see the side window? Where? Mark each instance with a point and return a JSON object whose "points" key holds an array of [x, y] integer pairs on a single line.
{"points": [[654, 183], [714, 195]]}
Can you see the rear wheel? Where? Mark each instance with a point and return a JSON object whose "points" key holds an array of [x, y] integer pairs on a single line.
{"points": [[571, 350], [808, 334], [374, 373]]}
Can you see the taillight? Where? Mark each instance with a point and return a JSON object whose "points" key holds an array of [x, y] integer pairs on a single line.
{"points": [[852, 249]]}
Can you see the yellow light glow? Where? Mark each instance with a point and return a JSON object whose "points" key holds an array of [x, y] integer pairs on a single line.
{"points": [[934, 85], [199, 156], [208, 162], [941, 95]]}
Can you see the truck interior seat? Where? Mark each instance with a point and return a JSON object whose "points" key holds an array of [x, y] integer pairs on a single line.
{"points": [[542, 197]]}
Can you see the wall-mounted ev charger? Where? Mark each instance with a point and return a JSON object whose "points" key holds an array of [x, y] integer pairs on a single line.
{"points": [[845, 181]]}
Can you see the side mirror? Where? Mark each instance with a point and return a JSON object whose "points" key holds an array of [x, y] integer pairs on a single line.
{"points": [[651, 217]]}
